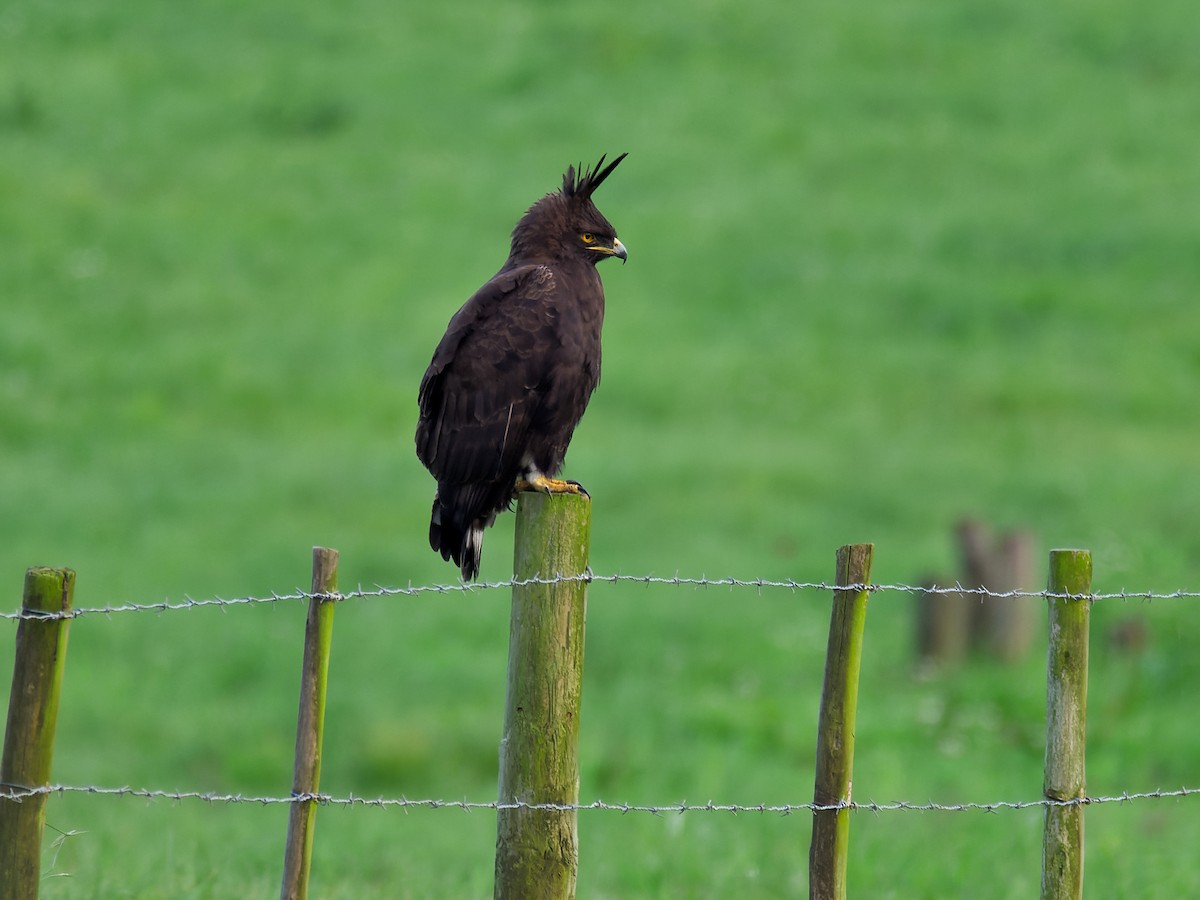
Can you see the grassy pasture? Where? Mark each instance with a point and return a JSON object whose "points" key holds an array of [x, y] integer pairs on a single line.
{"points": [[890, 264]]}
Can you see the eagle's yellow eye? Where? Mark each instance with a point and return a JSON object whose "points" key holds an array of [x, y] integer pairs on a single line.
{"points": [[588, 238]]}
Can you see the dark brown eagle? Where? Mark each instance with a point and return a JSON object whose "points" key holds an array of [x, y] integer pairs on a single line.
{"points": [[513, 373]]}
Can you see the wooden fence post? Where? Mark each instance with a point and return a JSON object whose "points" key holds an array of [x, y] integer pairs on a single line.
{"points": [[941, 624], [310, 724], [537, 850], [835, 729], [1066, 724], [1001, 625], [41, 655]]}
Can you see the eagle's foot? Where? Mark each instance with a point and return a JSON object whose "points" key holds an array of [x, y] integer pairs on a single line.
{"points": [[546, 485]]}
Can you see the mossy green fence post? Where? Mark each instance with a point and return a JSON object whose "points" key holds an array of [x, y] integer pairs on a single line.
{"points": [[1066, 723], [41, 656], [830, 844], [310, 724], [537, 850]]}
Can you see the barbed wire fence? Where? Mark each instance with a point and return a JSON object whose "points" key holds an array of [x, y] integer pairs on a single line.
{"points": [[783, 809], [759, 584], [380, 591], [47, 610]]}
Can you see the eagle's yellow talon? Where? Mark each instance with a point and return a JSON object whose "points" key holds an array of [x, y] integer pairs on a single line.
{"points": [[550, 486]]}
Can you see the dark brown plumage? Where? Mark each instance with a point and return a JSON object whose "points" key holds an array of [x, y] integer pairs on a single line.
{"points": [[513, 373]]}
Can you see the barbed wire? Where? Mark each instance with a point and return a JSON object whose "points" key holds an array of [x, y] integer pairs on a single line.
{"points": [[21, 793], [760, 584]]}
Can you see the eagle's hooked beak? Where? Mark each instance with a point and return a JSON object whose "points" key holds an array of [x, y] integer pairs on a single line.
{"points": [[619, 251]]}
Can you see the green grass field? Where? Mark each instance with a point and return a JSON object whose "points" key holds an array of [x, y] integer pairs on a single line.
{"points": [[890, 264]]}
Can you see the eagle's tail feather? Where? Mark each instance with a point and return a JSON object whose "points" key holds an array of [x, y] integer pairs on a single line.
{"points": [[472, 550], [456, 539]]}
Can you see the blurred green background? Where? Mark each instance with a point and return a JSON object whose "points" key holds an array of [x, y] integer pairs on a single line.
{"points": [[891, 263]]}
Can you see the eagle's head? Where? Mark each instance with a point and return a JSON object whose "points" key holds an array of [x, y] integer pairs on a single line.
{"points": [[566, 225]]}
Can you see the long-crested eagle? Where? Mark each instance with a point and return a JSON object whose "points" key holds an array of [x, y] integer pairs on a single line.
{"points": [[513, 373]]}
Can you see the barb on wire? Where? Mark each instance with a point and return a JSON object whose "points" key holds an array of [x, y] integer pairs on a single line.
{"points": [[677, 581], [20, 793]]}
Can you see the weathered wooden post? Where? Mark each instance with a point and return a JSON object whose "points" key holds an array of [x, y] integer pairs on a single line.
{"points": [[1066, 724], [941, 624], [1003, 626], [948, 622], [835, 729], [41, 656], [537, 850], [310, 724]]}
